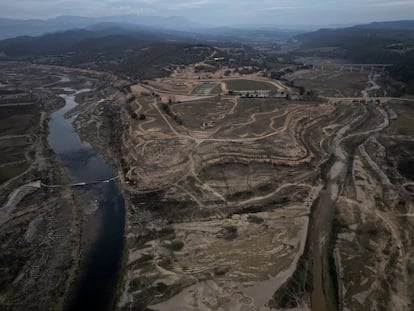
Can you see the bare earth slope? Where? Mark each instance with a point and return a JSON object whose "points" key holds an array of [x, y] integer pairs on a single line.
{"points": [[257, 204]]}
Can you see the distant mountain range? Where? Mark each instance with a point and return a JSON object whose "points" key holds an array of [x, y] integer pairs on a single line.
{"points": [[10, 28], [105, 34], [375, 35], [101, 38], [393, 25], [84, 35]]}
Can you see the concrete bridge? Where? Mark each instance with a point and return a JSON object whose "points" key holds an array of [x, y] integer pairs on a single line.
{"points": [[82, 184], [354, 67], [362, 67]]}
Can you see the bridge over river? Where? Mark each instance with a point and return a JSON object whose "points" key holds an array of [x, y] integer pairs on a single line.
{"points": [[82, 184], [353, 67]]}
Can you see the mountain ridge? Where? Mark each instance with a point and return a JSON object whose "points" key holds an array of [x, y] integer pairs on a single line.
{"points": [[10, 28]]}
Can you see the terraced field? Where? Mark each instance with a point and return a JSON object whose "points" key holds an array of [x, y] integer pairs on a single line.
{"points": [[262, 204], [35, 223]]}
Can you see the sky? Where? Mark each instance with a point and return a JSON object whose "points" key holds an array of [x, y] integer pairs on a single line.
{"points": [[222, 12]]}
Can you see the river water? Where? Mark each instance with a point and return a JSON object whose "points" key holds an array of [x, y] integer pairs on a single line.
{"points": [[95, 287]]}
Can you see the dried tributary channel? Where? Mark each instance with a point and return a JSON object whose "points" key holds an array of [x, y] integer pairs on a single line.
{"points": [[95, 287], [322, 298]]}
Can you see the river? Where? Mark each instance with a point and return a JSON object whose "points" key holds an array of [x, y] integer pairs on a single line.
{"points": [[96, 284]]}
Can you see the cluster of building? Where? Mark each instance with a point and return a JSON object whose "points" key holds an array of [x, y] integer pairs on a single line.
{"points": [[266, 94]]}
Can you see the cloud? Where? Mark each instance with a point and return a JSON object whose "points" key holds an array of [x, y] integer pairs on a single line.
{"points": [[194, 4], [280, 8], [161, 4], [397, 4]]}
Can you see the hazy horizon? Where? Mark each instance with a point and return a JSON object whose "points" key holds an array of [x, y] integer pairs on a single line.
{"points": [[216, 13]]}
